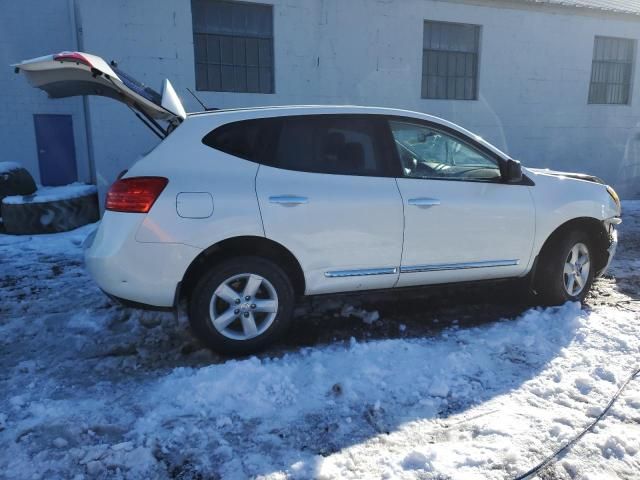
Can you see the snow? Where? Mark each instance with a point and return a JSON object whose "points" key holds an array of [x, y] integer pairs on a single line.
{"points": [[6, 167], [365, 316], [52, 194], [361, 389]]}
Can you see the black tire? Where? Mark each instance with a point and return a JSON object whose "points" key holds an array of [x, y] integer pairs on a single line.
{"points": [[550, 274], [200, 317], [16, 181], [50, 217]]}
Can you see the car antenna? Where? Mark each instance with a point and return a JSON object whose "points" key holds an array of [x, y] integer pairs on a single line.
{"points": [[206, 109]]}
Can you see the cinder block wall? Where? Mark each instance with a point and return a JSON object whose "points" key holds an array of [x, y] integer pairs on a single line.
{"points": [[535, 66], [31, 28]]}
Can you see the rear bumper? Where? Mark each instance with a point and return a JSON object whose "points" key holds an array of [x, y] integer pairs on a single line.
{"points": [[140, 306], [132, 271]]}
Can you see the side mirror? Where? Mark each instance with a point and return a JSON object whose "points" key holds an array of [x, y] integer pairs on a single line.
{"points": [[513, 171]]}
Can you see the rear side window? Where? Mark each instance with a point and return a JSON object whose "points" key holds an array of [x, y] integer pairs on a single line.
{"points": [[336, 144], [333, 144], [248, 139]]}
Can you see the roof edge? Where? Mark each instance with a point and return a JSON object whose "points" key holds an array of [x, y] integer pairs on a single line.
{"points": [[558, 8]]}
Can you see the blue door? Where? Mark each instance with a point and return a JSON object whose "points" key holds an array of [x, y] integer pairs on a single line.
{"points": [[56, 149]]}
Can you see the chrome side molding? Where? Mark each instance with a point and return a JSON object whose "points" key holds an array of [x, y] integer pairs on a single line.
{"points": [[361, 273], [437, 267]]}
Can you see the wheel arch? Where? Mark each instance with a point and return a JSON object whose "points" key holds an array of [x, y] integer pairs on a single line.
{"points": [[243, 246], [593, 227]]}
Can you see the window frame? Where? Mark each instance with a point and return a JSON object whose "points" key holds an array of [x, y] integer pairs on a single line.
{"points": [[234, 36], [379, 142], [456, 135], [632, 67], [476, 65], [268, 152]]}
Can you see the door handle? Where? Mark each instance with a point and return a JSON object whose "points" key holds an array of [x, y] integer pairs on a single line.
{"points": [[424, 202], [288, 200]]}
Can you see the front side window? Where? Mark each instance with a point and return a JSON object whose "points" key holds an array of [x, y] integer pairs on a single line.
{"points": [[233, 46], [611, 71], [450, 61], [429, 153], [329, 144]]}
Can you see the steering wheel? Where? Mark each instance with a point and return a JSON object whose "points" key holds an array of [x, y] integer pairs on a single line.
{"points": [[414, 166], [423, 168]]}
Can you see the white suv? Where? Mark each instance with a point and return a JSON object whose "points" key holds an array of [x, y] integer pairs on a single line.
{"points": [[238, 212]]}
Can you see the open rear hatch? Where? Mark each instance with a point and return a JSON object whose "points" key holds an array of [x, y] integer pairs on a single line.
{"points": [[68, 74]]}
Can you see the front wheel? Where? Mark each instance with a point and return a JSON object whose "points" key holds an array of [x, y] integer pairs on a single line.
{"points": [[242, 305], [566, 269]]}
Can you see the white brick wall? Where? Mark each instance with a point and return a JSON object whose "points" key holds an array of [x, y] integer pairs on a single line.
{"points": [[535, 65], [31, 28]]}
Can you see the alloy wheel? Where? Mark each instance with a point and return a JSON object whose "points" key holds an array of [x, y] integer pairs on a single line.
{"points": [[576, 269], [243, 306]]}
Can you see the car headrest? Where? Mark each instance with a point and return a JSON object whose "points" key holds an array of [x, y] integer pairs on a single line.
{"points": [[333, 142], [352, 155]]}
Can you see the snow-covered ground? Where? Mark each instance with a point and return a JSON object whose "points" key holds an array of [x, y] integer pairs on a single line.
{"points": [[434, 388]]}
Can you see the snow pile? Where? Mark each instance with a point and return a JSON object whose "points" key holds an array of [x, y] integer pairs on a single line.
{"points": [[53, 194], [6, 167], [92, 390], [528, 379]]}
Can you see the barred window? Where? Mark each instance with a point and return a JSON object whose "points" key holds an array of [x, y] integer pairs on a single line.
{"points": [[611, 70], [450, 60], [233, 46]]}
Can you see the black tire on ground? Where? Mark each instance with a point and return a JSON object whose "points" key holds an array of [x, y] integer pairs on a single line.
{"points": [[550, 274], [17, 181], [201, 298], [50, 217]]}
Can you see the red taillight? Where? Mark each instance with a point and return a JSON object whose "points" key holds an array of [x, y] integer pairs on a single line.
{"points": [[135, 194], [72, 57]]}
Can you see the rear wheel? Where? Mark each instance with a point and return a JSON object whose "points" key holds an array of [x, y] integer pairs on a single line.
{"points": [[566, 269], [242, 305]]}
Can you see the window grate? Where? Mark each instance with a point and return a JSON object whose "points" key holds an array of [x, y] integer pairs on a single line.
{"points": [[450, 61], [611, 71], [233, 46]]}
